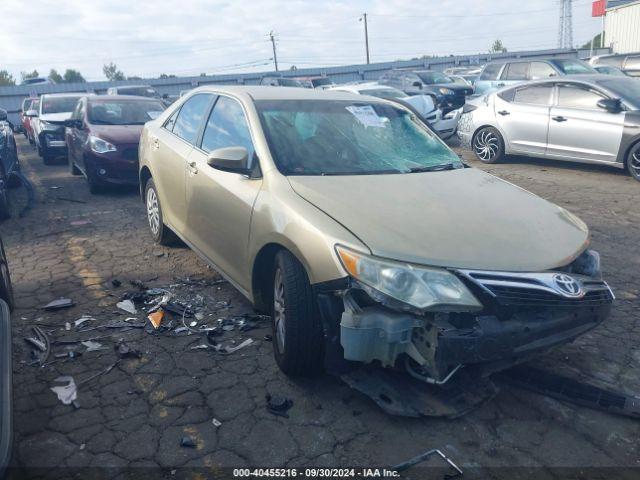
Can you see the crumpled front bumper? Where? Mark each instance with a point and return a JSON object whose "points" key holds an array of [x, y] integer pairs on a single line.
{"points": [[359, 329]]}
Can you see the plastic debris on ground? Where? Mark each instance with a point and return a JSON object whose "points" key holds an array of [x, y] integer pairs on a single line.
{"points": [[127, 306], [59, 303], [67, 392], [82, 320], [125, 351], [278, 405], [156, 318], [188, 442], [92, 346], [216, 423]]}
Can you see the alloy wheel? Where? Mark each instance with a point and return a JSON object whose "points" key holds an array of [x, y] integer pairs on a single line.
{"points": [[153, 211], [634, 163], [279, 310], [486, 145]]}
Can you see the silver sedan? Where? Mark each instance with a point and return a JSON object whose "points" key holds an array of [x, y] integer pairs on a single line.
{"points": [[593, 119]]}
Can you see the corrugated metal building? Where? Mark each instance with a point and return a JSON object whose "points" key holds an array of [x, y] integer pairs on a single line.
{"points": [[622, 26]]}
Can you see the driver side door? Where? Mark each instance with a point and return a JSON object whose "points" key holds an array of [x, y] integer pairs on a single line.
{"points": [[219, 203]]}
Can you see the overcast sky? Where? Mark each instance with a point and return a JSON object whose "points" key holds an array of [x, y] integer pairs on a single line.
{"points": [[186, 37]]}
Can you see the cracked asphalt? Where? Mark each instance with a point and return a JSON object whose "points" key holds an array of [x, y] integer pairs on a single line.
{"points": [[73, 244]]}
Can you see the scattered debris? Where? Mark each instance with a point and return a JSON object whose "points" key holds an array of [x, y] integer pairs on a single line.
{"points": [[278, 405], [422, 457], [127, 306], [68, 392], [67, 199], [228, 350], [202, 346], [178, 308], [85, 318], [68, 354], [77, 223], [570, 390], [139, 284], [116, 283], [40, 341], [216, 423], [188, 442], [156, 318], [59, 303], [267, 338], [92, 346]]}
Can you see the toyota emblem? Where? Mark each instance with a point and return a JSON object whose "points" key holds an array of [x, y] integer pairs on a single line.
{"points": [[567, 286]]}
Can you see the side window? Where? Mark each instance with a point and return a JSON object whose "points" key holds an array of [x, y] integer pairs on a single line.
{"points": [[516, 71], [491, 71], [571, 96], [535, 95], [541, 70], [190, 118], [507, 95], [227, 127]]}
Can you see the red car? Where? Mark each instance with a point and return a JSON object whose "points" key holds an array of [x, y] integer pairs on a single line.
{"points": [[29, 103], [102, 137]]}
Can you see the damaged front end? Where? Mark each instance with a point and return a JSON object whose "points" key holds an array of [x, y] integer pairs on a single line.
{"points": [[470, 325]]}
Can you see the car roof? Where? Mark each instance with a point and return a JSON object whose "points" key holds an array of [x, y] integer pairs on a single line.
{"points": [[100, 98], [260, 92], [69, 94], [585, 79], [144, 85]]}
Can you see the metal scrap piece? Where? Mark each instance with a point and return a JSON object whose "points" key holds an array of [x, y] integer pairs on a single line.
{"points": [[59, 303], [68, 392], [127, 306]]}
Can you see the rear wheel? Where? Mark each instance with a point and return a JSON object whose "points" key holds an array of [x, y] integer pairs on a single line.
{"points": [[4, 197], [297, 332], [633, 161], [488, 145], [159, 231], [6, 289]]}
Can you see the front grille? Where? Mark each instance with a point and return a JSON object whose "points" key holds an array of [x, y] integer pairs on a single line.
{"points": [[524, 297], [538, 289], [130, 154]]}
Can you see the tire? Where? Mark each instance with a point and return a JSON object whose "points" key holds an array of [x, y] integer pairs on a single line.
{"points": [[73, 170], [5, 211], [297, 331], [6, 288], [160, 233], [14, 180], [633, 161], [488, 145]]}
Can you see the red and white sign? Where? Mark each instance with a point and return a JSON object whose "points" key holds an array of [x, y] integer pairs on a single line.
{"points": [[598, 8]]}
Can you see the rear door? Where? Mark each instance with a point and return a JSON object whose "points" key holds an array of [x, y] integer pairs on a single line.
{"points": [[171, 144], [579, 129], [219, 204], [522, 114]]}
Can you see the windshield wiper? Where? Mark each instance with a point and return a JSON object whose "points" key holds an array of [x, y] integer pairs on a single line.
{"points": [[433, 168]]}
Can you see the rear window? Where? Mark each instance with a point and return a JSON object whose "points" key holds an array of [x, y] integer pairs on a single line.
{"points": [[59, 104], [491, 71]]}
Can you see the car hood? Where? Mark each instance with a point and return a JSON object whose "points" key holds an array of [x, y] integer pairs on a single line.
{"points": [[422, 103], [55, 117], [462, 218], [118, 134]]}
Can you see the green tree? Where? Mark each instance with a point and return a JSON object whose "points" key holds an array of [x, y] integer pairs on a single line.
{"points": [[6, 79], [73, 76], [596, 42], [28, 75], [498, 47], [135, 77], [55, 76], [112, 73]]}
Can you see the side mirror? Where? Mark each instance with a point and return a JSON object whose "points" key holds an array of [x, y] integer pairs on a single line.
{"points": [[31, 113], [417, 84], [3, 115], [611, 105], [230, 159]]}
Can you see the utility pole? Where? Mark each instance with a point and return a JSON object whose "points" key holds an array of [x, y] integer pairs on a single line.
{"points": [[273, 44], [565, 29], [366, 34]]}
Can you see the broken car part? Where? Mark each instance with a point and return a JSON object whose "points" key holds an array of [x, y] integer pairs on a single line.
{"points": [[59, 303], [570, 390], [156, 318], [422, 457], [127, 306], [68, 391], [188, 442]]}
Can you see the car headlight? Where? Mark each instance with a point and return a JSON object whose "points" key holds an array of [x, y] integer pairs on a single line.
{"points": [[99, 145], [445, 91], [424, 288], [48, 127]]}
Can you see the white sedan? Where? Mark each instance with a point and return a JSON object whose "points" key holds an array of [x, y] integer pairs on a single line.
{"points": [[444, 125]]}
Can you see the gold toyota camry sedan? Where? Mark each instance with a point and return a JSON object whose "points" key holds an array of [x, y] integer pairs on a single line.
{"points": [[363, 235]]}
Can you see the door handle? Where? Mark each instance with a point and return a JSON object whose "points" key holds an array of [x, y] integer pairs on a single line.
{"points": [[503, 112], [193, 168], [500, 84], [559, 119]]}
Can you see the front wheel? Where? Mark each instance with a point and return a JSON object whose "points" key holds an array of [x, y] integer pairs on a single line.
{"points": [[159, 231], [633, 161], [488, 145], [297, 332]]}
